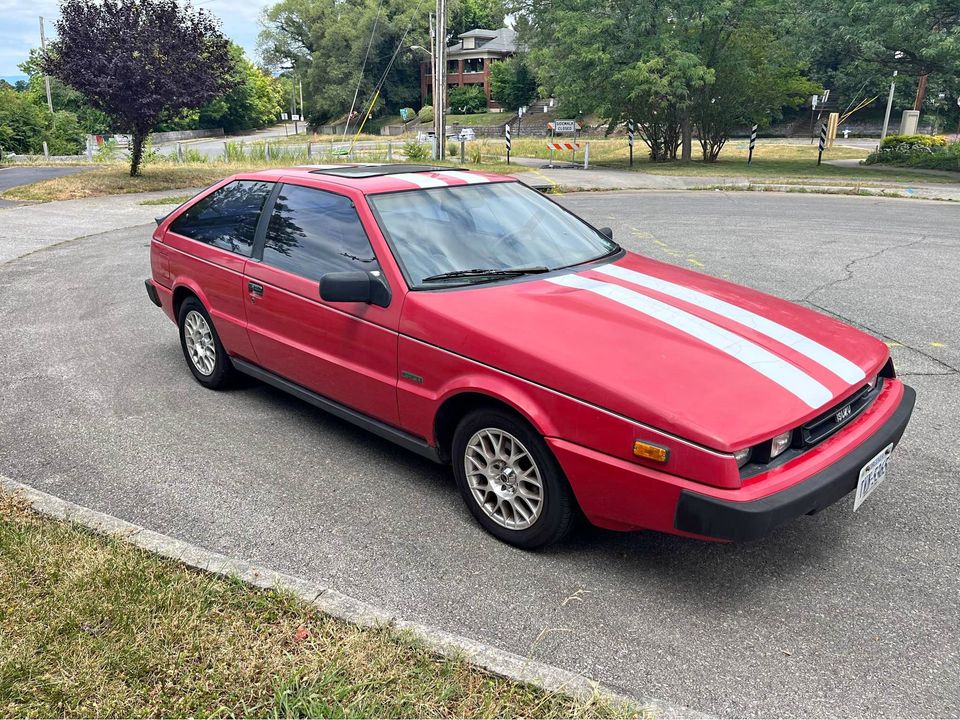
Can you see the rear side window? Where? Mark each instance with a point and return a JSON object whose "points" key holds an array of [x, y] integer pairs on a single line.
{"points": [[227, 218], [314, 232]]}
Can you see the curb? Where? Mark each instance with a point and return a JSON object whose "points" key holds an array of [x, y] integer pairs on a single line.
{"points": [[357, 612]]}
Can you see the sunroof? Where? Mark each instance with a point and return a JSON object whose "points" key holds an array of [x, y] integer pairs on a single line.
{"points": [[365, 171]]}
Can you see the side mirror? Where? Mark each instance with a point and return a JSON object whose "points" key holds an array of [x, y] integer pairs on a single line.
{"points": [[365, 287], [607, 233]]}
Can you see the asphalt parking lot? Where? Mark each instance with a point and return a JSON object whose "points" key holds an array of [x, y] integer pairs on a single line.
{"points": [[839, 614]]}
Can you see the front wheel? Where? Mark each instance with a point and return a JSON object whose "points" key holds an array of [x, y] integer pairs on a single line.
{"points": [[510, 480]]}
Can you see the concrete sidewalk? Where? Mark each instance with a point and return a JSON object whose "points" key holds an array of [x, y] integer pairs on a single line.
{"points": [[571, 179], [27, 228]]}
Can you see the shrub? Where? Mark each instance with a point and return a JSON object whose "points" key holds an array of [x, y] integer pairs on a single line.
{"points": [[919, 151], [426, 113], [453, 149], [415, 151], [468, 99], [913, 142]]}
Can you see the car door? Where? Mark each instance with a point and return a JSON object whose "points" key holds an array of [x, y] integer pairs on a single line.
{"points": [[209, 245], [346, 352]]}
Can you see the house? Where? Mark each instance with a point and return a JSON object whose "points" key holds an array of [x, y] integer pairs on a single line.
{"points": [[469, 60]]}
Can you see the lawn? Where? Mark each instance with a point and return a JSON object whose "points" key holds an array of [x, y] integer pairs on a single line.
{"points": [[114, 179], [772, 160], [93, 627], [487, 119]]}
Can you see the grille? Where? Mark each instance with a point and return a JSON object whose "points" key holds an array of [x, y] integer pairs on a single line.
{"points": [[836, 417]]}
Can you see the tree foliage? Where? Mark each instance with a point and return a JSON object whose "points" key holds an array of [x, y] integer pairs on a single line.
{"points": [[468, 15], [512, 83], [666, 65], [326, 42], [25, 125], [139, 61]]}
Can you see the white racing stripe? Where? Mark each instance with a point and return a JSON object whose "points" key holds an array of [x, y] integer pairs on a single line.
{"points": [[420, 180], [787, 376], [467, 177], [824, 356]]}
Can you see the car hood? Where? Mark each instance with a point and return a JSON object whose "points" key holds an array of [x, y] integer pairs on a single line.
{"points": [[713, 362]]}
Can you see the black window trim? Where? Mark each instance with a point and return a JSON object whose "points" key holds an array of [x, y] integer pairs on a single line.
{"points": [[186, 206], [260, 237]]}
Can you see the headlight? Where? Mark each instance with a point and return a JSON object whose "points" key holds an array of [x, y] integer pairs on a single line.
{"points": [[742, 456], [873, 382], [780, 443]]}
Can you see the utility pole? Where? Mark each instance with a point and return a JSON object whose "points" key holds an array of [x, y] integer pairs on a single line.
{"points": [[921, 92], [886, 117], [300, 83], [440, 80], [46, 78]]}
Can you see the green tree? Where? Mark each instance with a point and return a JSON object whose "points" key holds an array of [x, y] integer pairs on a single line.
{"points": [[465, 15], [663, 64], [64, 97], [22, 122], [254, 100], [139, 61], [329, 42], [512, 83]]}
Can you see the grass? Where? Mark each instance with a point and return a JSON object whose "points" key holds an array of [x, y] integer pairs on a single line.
{"points": [[772, 159], [169, 200], [487, 119], [114, 179], [93, 627]]}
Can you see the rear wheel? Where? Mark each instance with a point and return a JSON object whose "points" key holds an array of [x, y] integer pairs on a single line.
{"points": [[201, 346], [510, 480]]}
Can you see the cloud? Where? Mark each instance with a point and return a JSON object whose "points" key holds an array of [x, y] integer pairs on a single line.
{"points": [[20, 25]]}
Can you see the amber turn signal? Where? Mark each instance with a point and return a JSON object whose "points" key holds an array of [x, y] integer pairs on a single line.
{"points": [[649, 451]]}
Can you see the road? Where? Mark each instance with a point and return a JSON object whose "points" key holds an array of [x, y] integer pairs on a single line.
{"points": [[838, 614], [24, 175]]}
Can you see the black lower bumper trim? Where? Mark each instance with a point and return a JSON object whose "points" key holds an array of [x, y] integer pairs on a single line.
{"points": [[152, 293], [728, 520]]}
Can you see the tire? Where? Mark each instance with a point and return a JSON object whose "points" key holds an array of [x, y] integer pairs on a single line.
{"points": [[210, 365], [499, 492]]}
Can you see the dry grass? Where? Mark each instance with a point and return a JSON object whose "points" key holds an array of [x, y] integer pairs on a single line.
{"points": [[92, 627], [114, 179]]}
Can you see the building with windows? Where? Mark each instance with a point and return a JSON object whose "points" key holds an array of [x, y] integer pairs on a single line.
{"points": [[469, 60]]}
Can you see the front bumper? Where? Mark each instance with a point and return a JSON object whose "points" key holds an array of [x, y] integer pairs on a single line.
{"points": [[731, 520]]}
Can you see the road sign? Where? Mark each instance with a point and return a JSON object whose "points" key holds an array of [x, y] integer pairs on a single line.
{"points": [[506, 137], [630, 139], [753, 143], [562, 126], [823, 142]]}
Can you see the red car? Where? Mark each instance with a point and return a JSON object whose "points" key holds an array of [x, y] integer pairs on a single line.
{"points": [[474, 321]]}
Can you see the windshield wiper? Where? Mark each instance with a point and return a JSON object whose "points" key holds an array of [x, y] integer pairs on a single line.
{"points": [[487, 272]]}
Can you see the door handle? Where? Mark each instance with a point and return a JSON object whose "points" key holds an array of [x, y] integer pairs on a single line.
{"points": [[255, 288]]}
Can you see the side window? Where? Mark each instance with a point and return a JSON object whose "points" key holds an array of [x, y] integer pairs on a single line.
{"points": [[313, 232], [227, 218]]}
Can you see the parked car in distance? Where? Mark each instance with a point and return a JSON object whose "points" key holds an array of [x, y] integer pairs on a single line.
{"points": [[474, 321]]}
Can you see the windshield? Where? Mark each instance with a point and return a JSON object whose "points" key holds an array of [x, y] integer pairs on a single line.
{"points": [[466, 230]]}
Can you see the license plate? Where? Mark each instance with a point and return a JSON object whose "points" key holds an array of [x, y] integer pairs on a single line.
{"points": [[871, 475]]}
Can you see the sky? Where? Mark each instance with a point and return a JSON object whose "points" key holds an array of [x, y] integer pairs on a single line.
{"points": [[20, 26]]}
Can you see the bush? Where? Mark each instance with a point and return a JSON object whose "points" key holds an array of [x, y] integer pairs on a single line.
{"points": [[415, 151], [919, 151], [468, 99], [426, 113], [913, 142], [453, 150]]}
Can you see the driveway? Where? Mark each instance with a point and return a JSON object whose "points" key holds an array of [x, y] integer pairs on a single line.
{"points": [[838, 614]]}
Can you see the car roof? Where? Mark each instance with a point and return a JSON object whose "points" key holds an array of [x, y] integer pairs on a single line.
{"points": [[373, 178]]}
